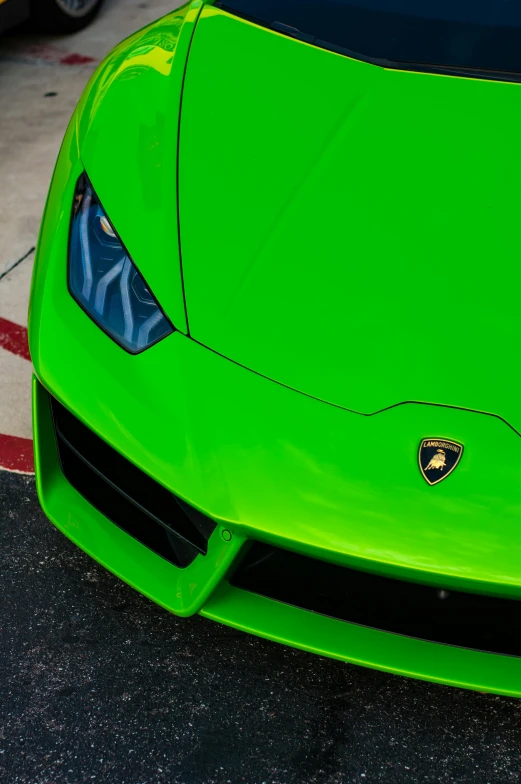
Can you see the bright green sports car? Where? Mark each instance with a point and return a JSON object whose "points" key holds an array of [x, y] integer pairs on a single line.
{"points": [[275, 326]]}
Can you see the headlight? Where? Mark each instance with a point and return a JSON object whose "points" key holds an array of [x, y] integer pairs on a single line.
{"points": [[104, 280]]}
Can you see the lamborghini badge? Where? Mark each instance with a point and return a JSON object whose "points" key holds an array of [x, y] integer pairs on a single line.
{"points": [[438, 458]]}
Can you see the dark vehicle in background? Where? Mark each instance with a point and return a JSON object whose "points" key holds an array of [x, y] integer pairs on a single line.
{"points": [[51, 16]]}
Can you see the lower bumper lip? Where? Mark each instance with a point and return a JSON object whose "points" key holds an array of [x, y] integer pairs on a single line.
{"points": [[362, 645]]}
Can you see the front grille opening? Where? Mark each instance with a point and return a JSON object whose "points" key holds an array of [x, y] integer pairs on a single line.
{"points": [[126, 495], [466, 620]]}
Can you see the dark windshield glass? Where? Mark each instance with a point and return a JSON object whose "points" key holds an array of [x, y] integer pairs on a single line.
{"points": [[481, 35]]}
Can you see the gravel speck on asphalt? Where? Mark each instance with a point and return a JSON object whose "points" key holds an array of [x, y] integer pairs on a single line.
{"points": [[99, 684]]}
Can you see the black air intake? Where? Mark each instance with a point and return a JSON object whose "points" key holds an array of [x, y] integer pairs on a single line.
{"points": [[466, 620], [126, 495]]}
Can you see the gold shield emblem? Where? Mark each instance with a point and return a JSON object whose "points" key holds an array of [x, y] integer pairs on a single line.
{"points": [[438, 457]]}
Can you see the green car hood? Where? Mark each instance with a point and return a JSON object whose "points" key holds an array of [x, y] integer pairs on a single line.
{"points": [[350, 231]]}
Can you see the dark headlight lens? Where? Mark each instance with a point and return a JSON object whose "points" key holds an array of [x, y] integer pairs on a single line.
{"points": [[104, 280]]}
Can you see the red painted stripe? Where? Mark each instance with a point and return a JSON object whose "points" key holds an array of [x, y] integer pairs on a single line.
{"points": [[16, 454], [51, 54], [13, 338], [76, 59]]}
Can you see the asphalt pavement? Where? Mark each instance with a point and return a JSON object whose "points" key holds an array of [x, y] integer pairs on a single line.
{"points": [[99, 684]]}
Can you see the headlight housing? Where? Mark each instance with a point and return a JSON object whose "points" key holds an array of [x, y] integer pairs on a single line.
{"points": [[104, 280]]}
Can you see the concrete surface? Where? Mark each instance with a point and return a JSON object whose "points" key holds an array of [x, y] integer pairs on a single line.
{"points": [[97, 684], [15, 396]]}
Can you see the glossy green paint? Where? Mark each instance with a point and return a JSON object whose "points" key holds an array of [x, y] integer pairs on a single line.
{"points": [[128, 122], [263, 460], [360, 238]]}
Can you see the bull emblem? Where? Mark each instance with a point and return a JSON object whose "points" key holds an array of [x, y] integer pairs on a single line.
{"points": [[438, 457]]}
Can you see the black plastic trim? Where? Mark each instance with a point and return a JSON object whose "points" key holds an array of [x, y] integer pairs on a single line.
{"points": [[457, 618], [126, 495]]}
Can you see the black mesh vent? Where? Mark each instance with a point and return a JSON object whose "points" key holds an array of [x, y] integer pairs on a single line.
{"points": [[466, 620], [128, 497]]}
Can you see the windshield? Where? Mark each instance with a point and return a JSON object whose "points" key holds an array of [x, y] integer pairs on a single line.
{"points": [[478, 36]]}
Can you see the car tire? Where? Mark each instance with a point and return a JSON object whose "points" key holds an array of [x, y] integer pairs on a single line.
{"points": [[63, 16]]}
